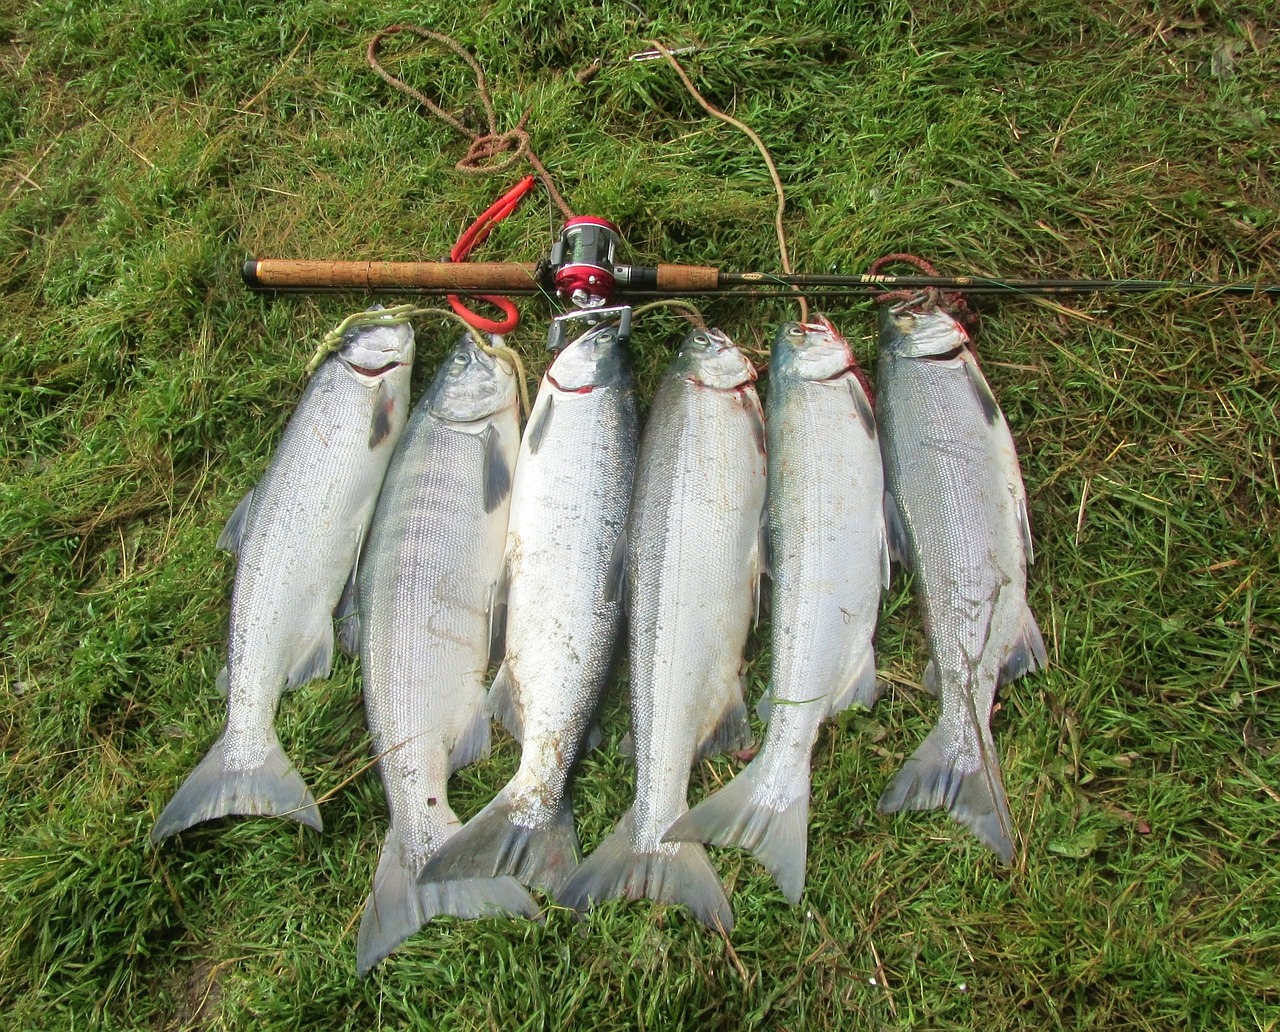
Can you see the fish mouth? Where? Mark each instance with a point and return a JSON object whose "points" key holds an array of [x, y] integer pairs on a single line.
{"points": [[584, 389], [946, 356], [374, 371], [821, 324]]}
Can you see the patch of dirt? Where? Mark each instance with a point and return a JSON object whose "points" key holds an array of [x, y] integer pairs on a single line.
{"points": [[200, 998]]}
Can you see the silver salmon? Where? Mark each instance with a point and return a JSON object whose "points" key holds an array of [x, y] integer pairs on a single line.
{"points": [[694, 555], [424, 598], [957, 513], [562, 582], [830, 563], [296, 536]]}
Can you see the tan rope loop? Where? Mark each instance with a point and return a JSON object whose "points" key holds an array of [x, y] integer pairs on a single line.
{"points": [[485, 146]]}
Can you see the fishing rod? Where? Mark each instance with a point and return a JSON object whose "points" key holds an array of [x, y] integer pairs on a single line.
{"points": [[583, 269]]}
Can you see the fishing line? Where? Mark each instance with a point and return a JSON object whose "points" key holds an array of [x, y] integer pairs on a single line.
{"points": [[503, 353], [483, 157], [398, 315], [691, 311], [715, 112]]}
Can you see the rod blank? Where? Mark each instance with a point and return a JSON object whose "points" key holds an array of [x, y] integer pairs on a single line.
{"points": [[285, 275]]}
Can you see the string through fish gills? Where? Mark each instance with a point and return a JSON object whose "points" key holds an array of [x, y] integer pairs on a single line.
{"points": [[398, 315], [689, 310]]}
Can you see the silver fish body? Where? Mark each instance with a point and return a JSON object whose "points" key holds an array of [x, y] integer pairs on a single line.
{"points": [[829, 563], [694, 554], [424, 593], [296, 536], [562, 577], [958, 514]]}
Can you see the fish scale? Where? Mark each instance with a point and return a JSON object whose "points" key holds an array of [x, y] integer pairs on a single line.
{"points": [[958, 514]]}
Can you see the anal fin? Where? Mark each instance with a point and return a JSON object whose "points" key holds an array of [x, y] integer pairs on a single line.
{"points": [[730, 731], [473, 743], [1027, 654], [503, 704], [862, 688], [316, 662]]}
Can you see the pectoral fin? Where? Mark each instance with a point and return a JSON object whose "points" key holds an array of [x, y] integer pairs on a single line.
{"points": [[233, 533], [990, 407], [384, 405], [863, 407], [497, 475], [538, 423], [1024, 526], [896, 534], [498, 615], [615, 585], [347, 617]]}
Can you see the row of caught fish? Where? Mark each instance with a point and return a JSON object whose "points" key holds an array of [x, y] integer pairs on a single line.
{"points": [[528, 552]]}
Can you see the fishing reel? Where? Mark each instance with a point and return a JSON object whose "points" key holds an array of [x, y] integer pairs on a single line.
{"points": [[584, 268], [584, 261]]}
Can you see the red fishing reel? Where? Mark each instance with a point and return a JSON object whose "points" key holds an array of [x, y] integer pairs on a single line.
{"points": [[584, 261]]}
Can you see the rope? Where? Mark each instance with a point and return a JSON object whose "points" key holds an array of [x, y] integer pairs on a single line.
{"points": [[715, 112], [400, 314], [953, 302], [684, 308], [487, 146]]}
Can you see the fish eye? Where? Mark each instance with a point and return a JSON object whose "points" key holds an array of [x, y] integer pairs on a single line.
{"points": [[796, 331], [701, 338]]}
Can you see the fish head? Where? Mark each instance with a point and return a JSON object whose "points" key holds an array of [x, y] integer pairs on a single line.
{"points": [[594, 359], [370, 352], [919, 330], [810, 351], [471, 384], [710, 358]]}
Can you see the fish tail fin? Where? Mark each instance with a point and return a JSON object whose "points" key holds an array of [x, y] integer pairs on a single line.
{"points": [[398, 906], [775, 833], [967, 783], [681, 875], [216, 789], [495, 842]]}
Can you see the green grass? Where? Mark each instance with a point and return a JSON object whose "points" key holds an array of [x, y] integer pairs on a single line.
{"points": [[146, 149]]}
